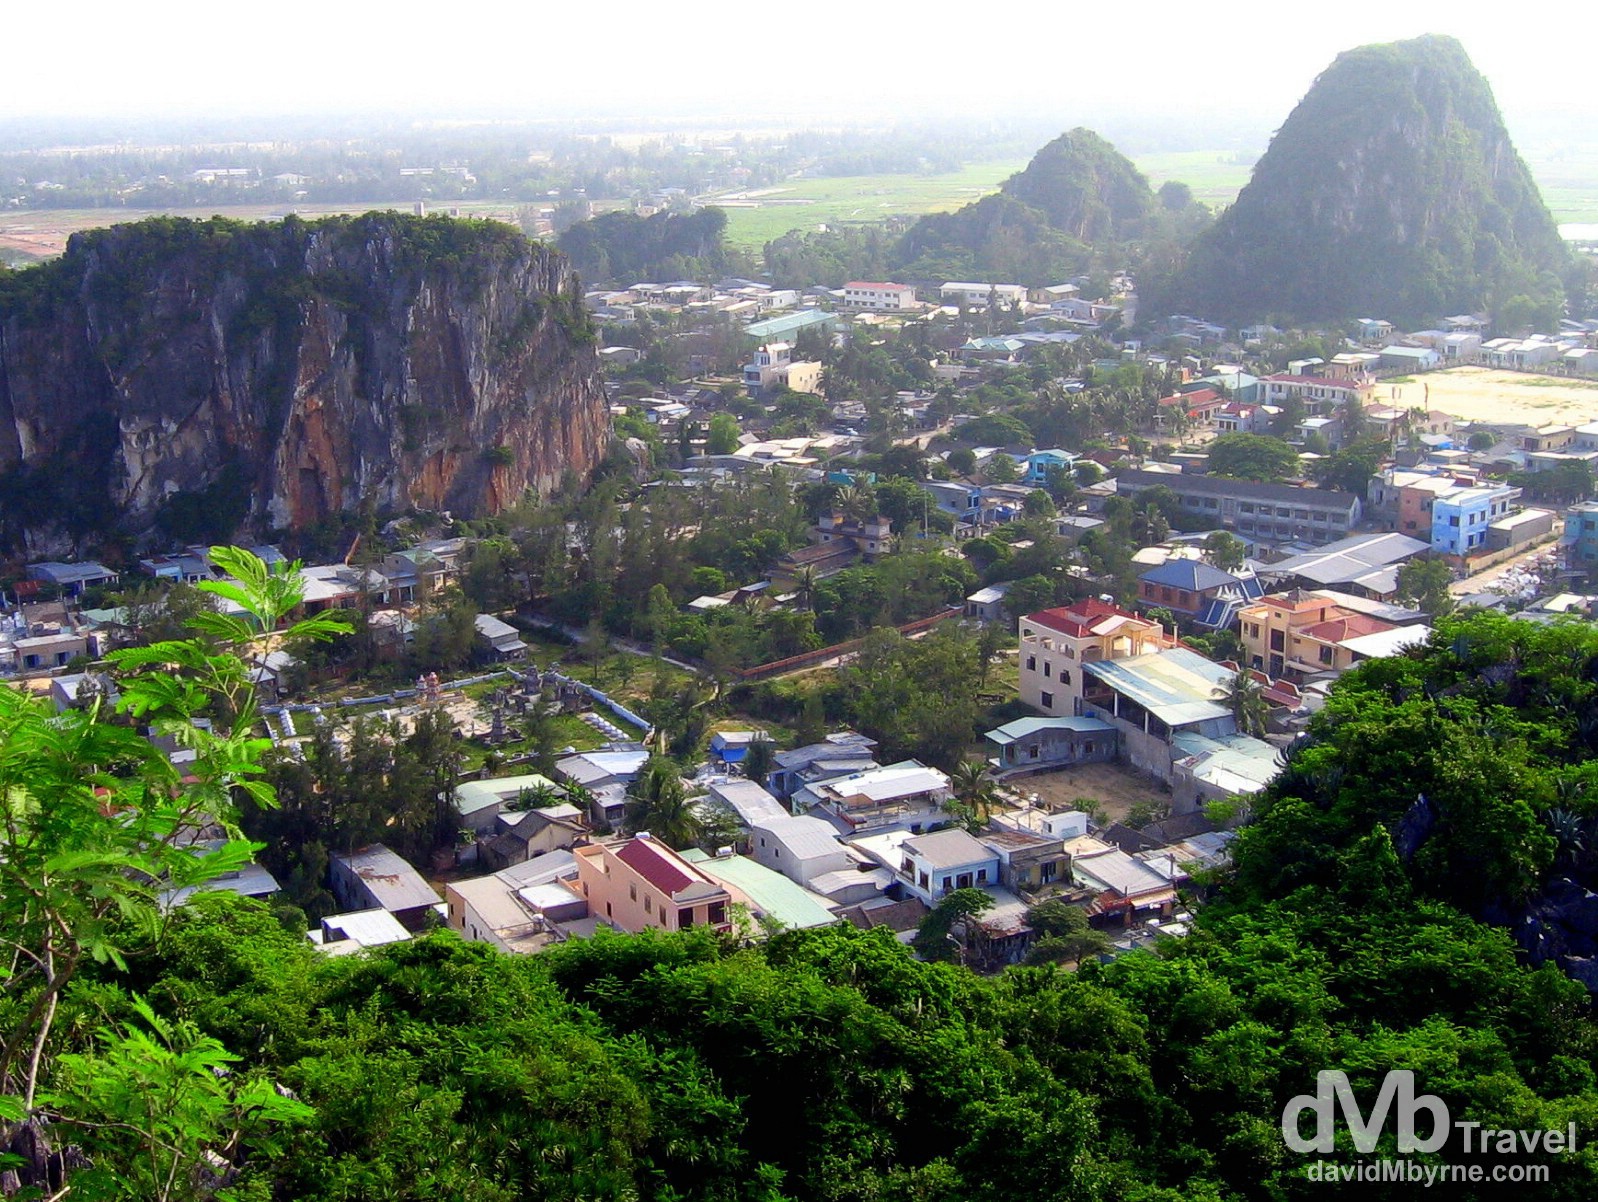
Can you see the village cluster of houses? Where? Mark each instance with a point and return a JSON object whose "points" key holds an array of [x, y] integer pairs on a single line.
{"points": [[41, 637], [831, 835]]}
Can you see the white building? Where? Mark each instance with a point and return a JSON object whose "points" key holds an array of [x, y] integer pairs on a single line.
{"points": [[801, 848], [981, 295], [878, 297]]}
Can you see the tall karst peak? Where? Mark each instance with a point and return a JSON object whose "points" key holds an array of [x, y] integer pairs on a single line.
{"points": [[1392, 189], [170, 373]]}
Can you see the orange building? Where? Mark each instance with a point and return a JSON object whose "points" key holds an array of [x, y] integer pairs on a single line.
{"points": [[1301, 634]]}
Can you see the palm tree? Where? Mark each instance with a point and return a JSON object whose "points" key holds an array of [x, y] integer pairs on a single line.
{"points": [[1245, 697], [973, 790], [857, 502], [804, 586], [537, 797], [657, 803]]}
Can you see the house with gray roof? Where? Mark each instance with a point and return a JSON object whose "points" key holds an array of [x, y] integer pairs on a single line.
{"points": [[1271, 513], [1031, 744], [841, 753], [376, 878], [1198, 590], [1364, 563], [801, 848], [498, 641]]}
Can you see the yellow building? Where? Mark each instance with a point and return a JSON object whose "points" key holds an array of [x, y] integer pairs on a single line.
{"points": [[1301, 634]]}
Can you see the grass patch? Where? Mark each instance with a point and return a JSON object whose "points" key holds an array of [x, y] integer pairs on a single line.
{"points": [[807, 203], [1562, 382], [1216, 176]]}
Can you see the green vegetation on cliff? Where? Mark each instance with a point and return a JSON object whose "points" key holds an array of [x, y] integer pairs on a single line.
{"points": [[1392, 190], [622, 249], [1075, 207]]}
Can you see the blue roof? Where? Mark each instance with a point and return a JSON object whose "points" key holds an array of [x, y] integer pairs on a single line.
{"points": [[788, 323], [1192, 574]]}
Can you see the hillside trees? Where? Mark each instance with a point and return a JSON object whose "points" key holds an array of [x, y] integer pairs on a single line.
{"points": [[1252, 457], [98, 822]]}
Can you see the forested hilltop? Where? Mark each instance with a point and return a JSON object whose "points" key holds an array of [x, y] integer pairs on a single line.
{"points": [[1391, 190], [1438, 797]]}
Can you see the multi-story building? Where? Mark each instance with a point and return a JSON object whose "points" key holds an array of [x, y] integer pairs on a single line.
{"points": [[1056, 643], [774, 365], [640, 882], [975, 295], [1265, 512], [933, 866], [904, 794], [1581, 536], [1460, 518], [878, 297], [1319, 394], [1301, 634]]}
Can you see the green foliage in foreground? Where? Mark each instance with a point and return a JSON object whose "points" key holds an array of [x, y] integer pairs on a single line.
{"points": [[1356, 932], [832, 1065]]}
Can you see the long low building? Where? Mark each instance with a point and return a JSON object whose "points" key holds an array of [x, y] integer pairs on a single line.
{"points": [[1036, 743], [1267, 512]]}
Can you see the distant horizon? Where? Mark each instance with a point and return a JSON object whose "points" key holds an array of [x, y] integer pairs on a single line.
{"points": [[1246, 64]]}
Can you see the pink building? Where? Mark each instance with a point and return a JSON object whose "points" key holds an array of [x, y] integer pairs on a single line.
{"points": [[640, 882]]}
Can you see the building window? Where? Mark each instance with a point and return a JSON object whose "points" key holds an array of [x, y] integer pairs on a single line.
{"points": [[1048, 701], [1032, 752], [1047, 670], [982, 876], [632, 891], [649, 904], [1065, 677], [685, 919], [1326, 655], [948, 883], [1276, 640], [718, 913], [1031, 663]]}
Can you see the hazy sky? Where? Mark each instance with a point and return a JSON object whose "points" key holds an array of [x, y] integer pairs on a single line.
{"points": [[812, 61]]}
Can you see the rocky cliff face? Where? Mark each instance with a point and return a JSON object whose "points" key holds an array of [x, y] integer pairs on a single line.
{"points": [[169, 372], [1393, 191]]}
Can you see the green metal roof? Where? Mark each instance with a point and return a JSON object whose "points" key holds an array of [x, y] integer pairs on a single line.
{"points": [[788, 323], [769, 892]]}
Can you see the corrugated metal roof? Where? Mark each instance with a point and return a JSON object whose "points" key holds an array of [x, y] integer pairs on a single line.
{"points": [[1176, 686], [1022, 727], [391, 880], [770, 893]]}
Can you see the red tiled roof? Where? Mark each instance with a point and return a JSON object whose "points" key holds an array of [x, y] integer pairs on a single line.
{"points": [[872, 284], [1335, 630], [657, 864], [1081, 618]]}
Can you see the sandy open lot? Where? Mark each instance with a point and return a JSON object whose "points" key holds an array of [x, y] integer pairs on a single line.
{"points": [[1111, 787], [1483, 394]]}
